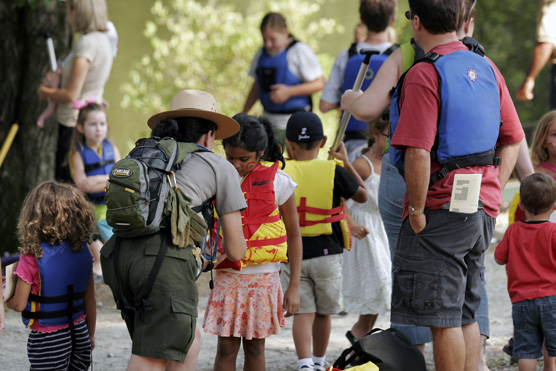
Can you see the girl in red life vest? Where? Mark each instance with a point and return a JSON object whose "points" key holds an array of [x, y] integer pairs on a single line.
{"points": [[54, 227], [247, 300]]}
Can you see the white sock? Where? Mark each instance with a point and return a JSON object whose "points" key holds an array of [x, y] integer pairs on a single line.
{"points": [[305, 362], [319, 360]]}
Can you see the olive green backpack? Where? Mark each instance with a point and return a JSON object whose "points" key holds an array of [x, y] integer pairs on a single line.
{"points": [[142, 189]]}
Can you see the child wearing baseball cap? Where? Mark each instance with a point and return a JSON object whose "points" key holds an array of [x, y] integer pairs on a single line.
{"points": [[321, 187]]}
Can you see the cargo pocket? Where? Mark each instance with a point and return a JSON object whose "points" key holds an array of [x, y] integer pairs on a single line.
{"points": [[418, 282], [180, 327]]}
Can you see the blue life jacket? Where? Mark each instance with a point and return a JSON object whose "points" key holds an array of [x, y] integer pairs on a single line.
{"points": [[469, 117], [97, 166], [64, 275], [352, 70], [273, 69]]}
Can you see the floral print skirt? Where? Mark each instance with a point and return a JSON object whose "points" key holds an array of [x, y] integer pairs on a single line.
{"points": [[245, 305]]}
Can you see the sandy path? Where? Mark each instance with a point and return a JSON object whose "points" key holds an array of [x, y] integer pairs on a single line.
{"points": [[113, 344]]}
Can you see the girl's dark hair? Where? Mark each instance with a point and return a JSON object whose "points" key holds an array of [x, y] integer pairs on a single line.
{"points": [[183, 129], [379, 124], [275, 21], [256, 135]]}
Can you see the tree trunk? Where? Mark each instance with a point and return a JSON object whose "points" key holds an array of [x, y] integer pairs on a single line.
{"points": [[23, 64]]}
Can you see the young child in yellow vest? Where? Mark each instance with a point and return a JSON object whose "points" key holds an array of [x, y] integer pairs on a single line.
{"points": [[321, 186], [247, 305]]}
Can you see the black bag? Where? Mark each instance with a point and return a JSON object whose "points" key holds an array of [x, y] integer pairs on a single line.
{"points": [[389, 349]]}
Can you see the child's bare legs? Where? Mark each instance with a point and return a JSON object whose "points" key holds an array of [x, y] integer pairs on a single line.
{"points": [[302, 331], [226, 353], [527, 364], [254, 354], [321, 334], [94, 248], [482, 356], [364, 325], [48, 111], [315, 326]]}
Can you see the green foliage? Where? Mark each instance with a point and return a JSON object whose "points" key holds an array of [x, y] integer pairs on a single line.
{"points": [[508, 34], [209, 46], [32, 3]]}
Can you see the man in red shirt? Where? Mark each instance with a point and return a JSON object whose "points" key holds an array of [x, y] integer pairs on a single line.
{"points": [[440, 250]]}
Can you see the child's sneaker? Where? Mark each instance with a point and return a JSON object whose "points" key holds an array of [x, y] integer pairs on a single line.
{"points": [[319, 367], [306, 368]]}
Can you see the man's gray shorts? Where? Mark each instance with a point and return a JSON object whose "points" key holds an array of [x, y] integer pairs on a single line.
{"points": [[437, 280]]}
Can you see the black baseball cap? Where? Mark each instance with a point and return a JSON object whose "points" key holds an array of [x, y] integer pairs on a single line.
{"points": [[304, 127]]}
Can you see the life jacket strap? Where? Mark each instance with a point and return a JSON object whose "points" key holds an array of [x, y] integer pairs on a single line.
{"points": [[260, 219], [477, 159], [266, 196], [267, 241], [303, 209], [55, 299], [98, 165], [54, 314]]}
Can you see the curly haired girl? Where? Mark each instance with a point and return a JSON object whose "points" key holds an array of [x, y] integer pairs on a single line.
{"points": [[55, 287]]}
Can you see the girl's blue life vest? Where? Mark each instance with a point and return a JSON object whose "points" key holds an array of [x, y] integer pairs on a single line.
{"points": [[64, 276], [273, 69], [352, 70], [94, 165], [469, 117]]}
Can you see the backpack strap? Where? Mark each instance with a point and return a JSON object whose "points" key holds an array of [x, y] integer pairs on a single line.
{"points": [[98, 165], [391, 49], [352, 50]]}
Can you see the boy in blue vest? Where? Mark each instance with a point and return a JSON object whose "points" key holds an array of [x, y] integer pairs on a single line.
{"points": [[377, 15], [321, 187]]}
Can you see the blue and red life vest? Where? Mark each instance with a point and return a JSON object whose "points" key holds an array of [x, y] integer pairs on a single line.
{"points": [[469, 117], [94, 165], [64, 276], [273, 69]]}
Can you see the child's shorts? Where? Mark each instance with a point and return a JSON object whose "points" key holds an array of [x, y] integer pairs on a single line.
{"points": [[320, 288], [53, 350], [104, 230], [534, 321], [245, 305]]}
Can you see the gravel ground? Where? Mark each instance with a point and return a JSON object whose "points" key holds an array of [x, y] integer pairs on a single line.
{"points": [[113, 344]]}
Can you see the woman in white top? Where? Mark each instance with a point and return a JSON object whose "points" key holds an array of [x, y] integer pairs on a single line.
{"points": [[85, 72]]}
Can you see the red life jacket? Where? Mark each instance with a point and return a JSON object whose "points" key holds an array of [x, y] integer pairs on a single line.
{"points": [[263, 228]]}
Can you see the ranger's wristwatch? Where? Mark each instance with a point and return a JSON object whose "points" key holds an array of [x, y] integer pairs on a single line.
{"points": [[415, 212]]}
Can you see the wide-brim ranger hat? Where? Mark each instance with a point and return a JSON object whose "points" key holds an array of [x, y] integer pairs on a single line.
{"points": [[197, 103]]}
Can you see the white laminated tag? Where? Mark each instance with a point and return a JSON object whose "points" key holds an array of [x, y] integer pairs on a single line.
{"points": [[465, 193]]}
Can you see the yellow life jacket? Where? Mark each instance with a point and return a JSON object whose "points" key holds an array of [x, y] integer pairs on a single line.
{"points": [[314, 198], [263, 228]]}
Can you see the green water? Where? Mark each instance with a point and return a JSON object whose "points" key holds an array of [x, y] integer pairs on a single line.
{"points": [[126, 125]]}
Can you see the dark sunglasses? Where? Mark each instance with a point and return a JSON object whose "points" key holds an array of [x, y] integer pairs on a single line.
{"points": [[408, 15]]}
